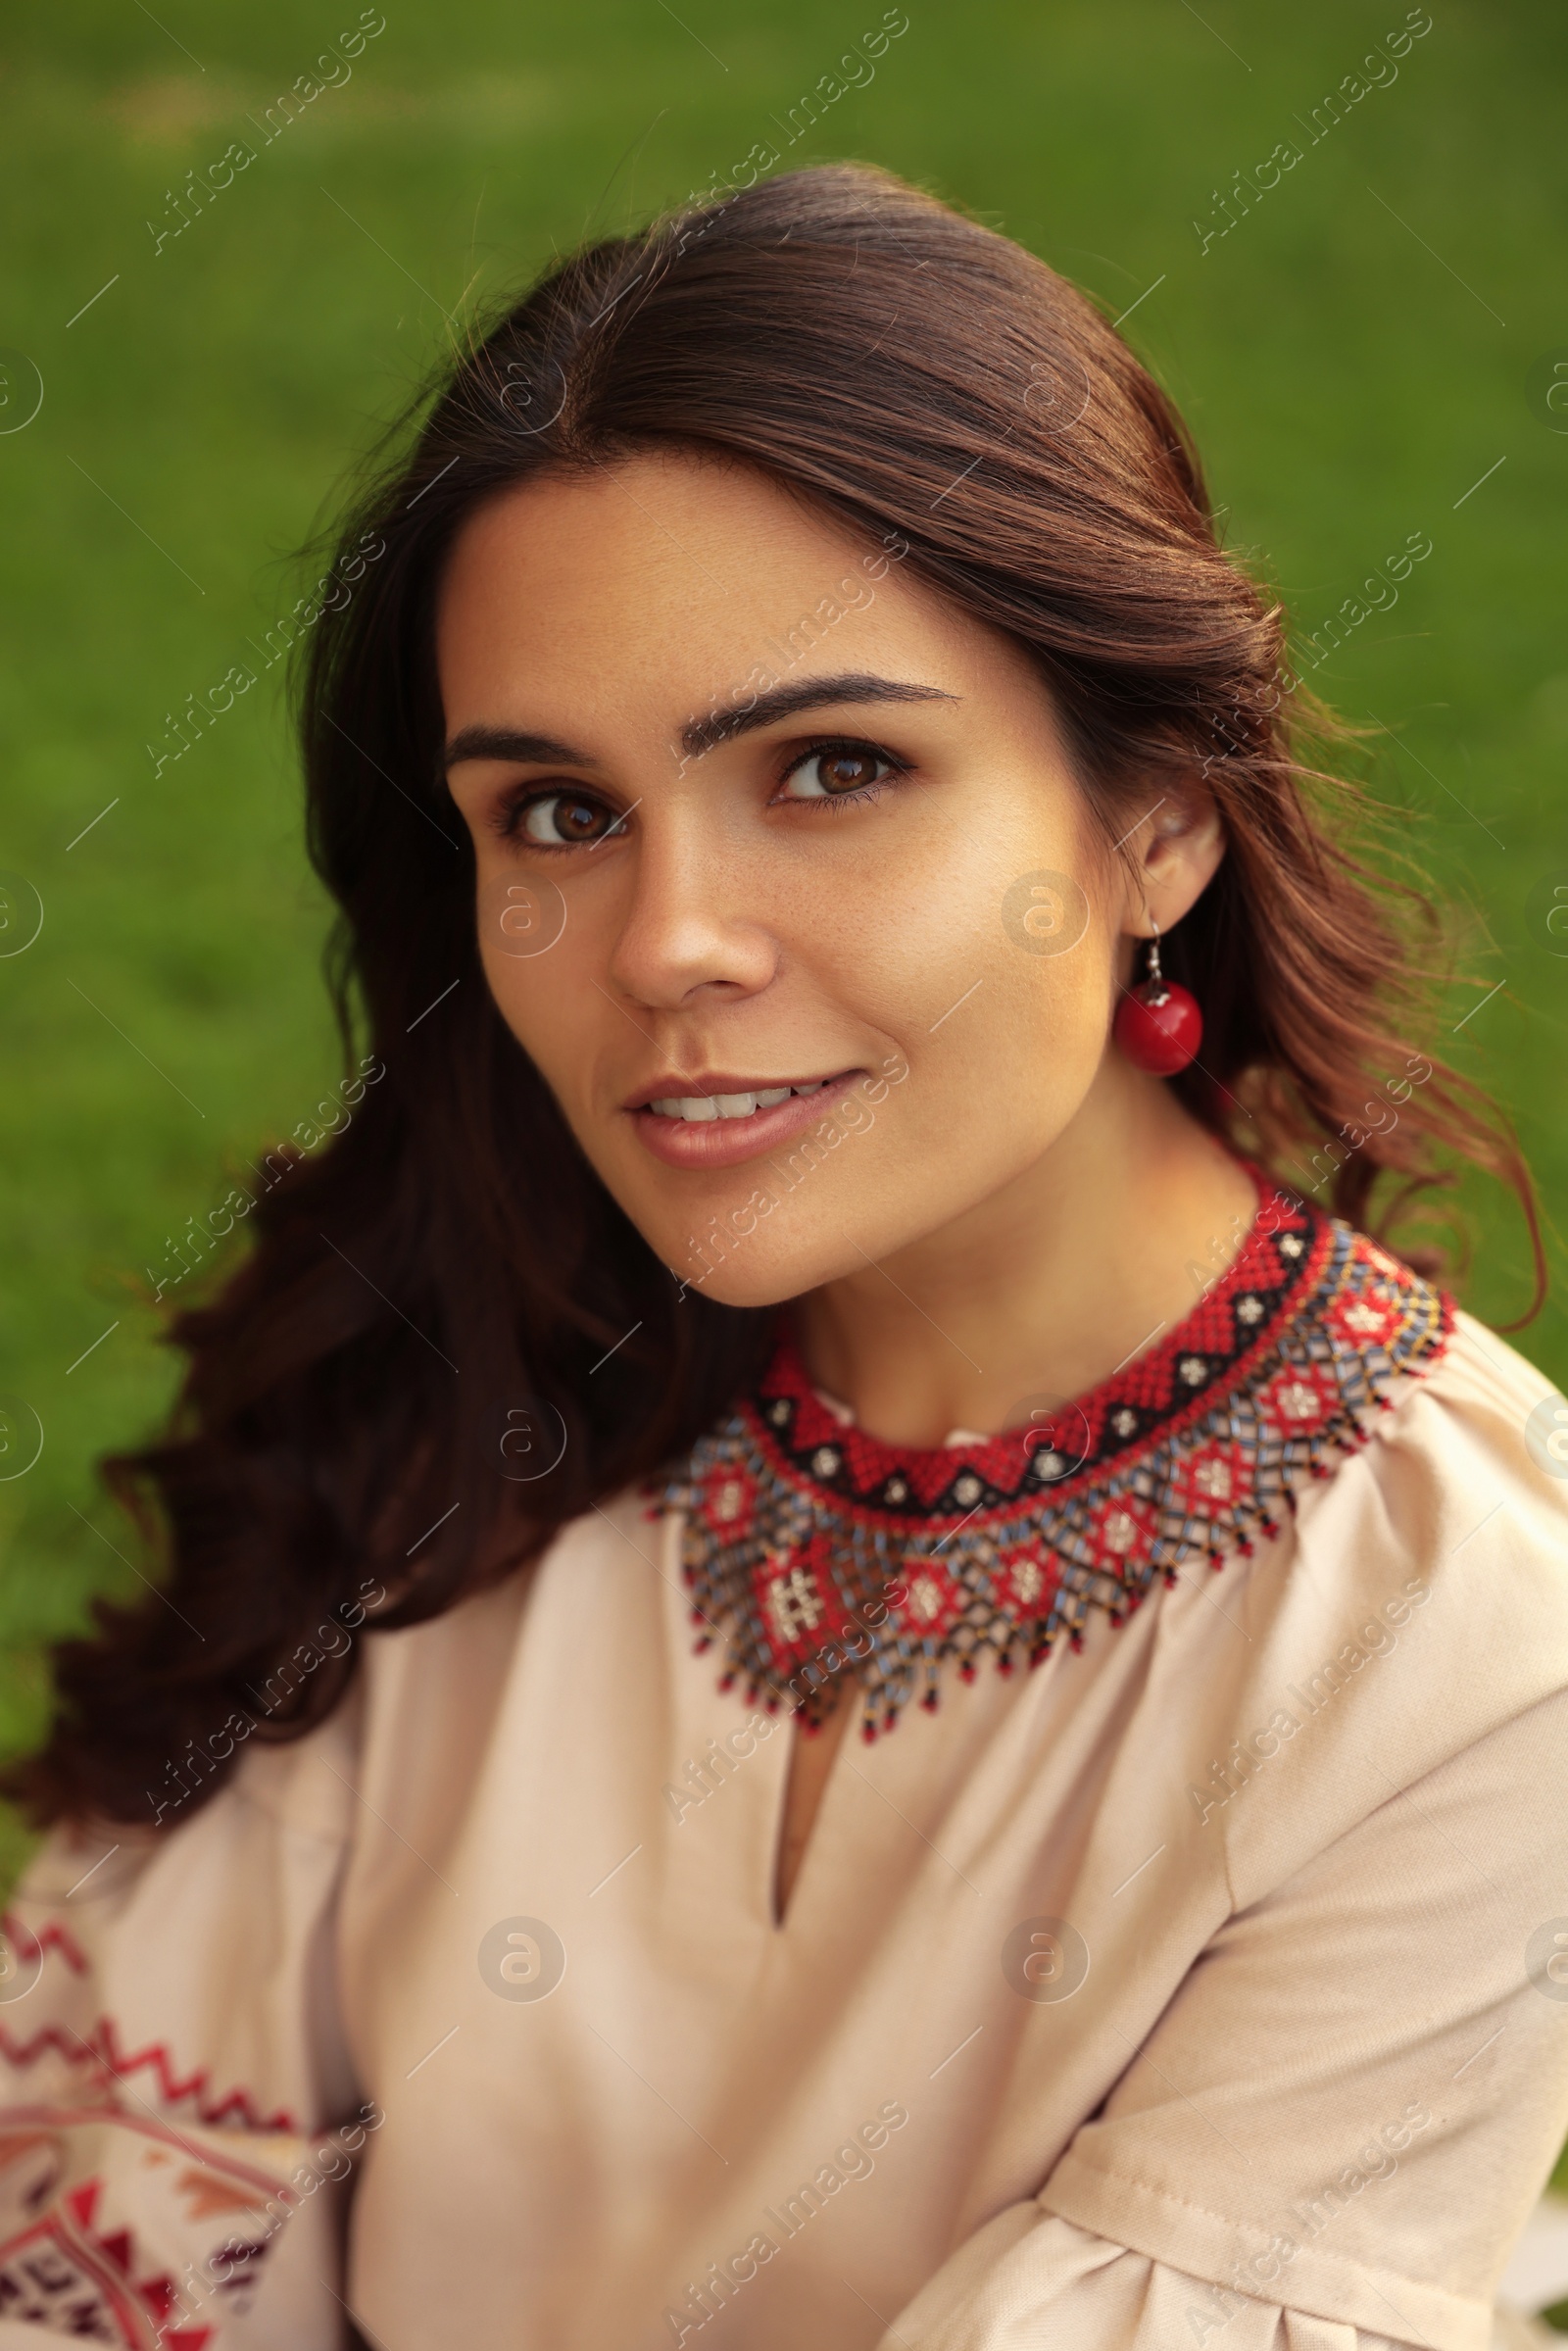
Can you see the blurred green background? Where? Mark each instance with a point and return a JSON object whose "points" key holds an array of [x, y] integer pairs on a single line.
{"points": [[1367, 355]]}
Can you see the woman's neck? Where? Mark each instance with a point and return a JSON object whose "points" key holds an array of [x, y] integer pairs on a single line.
{"points": [[1043, 1290]]}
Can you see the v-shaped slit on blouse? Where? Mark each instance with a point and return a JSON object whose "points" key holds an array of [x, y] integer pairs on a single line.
{"points": [[812, 1762]]}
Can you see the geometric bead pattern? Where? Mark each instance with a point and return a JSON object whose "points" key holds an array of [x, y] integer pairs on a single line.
{"points": [[817, 1554]]}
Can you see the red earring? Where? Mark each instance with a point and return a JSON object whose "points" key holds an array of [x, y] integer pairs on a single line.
{"points": [[1158, 1025]]}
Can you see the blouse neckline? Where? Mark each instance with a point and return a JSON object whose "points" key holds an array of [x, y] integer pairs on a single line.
{"points": [[818, 1552]]}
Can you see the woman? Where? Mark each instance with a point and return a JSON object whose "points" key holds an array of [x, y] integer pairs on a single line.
{"points": [[831, 877]]}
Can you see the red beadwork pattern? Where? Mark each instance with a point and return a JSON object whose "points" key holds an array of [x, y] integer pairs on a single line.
{"points": [[728, 1504], [823, 1553]]}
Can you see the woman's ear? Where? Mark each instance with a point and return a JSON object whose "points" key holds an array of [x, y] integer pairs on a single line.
{"points": [[1176, 851]]}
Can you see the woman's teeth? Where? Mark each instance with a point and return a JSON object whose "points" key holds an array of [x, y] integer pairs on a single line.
{"points": [[694, 1107]]}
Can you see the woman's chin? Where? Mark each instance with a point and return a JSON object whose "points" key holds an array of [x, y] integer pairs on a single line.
{"points": [[733, 1284], [762, 1269]]}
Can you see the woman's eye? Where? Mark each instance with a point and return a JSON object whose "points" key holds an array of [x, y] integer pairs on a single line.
{"points": [[560, 820], [832, 774]]}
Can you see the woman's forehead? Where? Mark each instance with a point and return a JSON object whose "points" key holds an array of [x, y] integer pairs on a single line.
{"points": [[679, 586]]}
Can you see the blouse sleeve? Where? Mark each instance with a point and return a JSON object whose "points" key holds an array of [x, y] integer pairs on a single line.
{"points": [[176, 2102], [1336, 2132]]}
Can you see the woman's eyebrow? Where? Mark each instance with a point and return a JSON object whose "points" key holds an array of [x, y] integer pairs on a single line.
{"points": [[700, 735], [508, 743]]}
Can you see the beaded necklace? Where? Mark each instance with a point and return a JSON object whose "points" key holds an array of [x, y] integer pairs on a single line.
{"points": [[818, 1554]]}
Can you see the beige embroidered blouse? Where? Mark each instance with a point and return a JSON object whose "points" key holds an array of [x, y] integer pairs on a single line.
{"points": [[1207, 1987]]}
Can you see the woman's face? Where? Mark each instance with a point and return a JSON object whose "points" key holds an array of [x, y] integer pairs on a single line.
{"points": [[755, 809]]}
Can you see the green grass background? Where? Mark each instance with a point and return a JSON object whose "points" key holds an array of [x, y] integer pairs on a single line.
{"points": [[1348, 372]]}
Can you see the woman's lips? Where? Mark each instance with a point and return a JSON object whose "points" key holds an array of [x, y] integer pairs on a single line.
{"points": [[726, 1142]]}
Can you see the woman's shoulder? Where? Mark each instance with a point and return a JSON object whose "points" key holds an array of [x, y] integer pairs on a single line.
{"points": [[424, 1699], [1459, 1489], [296, 1795], [1480, 1375], [1422, 1608], [1474, 1452], [1477, 1367], [1459, 1439]]}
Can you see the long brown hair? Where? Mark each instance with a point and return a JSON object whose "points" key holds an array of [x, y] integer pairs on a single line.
{"points": [[452, 1259]]}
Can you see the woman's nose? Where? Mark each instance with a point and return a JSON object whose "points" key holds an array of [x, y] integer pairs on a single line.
{"points": [[692, 920]]}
